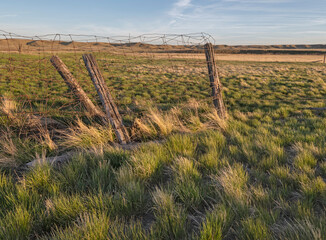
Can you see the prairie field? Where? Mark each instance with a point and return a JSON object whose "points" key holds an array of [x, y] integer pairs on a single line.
{"points": [[271, 58], [283, 58], [188, 174]]}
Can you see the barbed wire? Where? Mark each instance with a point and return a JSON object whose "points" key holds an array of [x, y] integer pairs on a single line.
{"points": [[166, 69], [27, 76]]}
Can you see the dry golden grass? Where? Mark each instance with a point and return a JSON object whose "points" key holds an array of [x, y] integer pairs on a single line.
{"points": [[215, 121], [156, 123], [182, 120], [269, 57], [245, 57], [8, 149], [45, 138], [86, 137], [8, 106], [28, 46]]}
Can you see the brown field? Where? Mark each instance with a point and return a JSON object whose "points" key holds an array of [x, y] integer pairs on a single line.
{"points": [[273, 53], [270, 57], [244, 57]]}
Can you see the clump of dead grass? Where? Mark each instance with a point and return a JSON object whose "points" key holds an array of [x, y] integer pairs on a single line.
{"points": [[84, 136], [8, 149], [185, 119], [44, 137], [8, 107], [214, 120], [156, 124], [11, 109]]}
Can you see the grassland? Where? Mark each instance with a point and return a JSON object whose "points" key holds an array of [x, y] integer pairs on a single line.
{"points": [[259, 175]]}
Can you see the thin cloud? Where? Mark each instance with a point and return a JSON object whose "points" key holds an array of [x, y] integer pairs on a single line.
{"points": [[250, 19], [179, 7], [8, 15], [229, 21]]}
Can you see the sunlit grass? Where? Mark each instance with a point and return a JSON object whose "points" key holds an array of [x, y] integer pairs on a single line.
{"points": [[260, 174]]}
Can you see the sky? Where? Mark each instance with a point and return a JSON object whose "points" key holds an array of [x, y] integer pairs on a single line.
{"points": [[230, 22]]}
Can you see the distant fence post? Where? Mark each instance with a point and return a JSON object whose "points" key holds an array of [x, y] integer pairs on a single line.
{"points": [[215, 81], [75, 87], [324, 58], [106, 99]]}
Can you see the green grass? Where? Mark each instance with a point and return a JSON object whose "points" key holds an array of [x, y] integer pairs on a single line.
{"points": [[260, 175], [136, 82], [173, 197]]}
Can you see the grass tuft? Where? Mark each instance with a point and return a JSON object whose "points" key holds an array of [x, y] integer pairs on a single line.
{"points": [[301, 229], [83, 136], [17, 224], [216, 224], [215, 121], [254, 229], [170, 219], [233, 180]]}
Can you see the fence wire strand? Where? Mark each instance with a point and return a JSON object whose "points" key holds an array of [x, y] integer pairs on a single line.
{"points": [[143, 64], [164, 69]]}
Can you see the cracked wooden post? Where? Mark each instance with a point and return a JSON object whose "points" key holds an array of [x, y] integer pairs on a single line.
{"points": [[75, 87], [106, 99], [215, 81]]}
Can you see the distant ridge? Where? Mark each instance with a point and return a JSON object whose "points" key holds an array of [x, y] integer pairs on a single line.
{"points": [[28, 45], [285, 46]]}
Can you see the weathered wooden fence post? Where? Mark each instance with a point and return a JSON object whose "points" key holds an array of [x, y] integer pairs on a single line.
{"points": [[75, 87], [106, 99], [215, 81], [324, 58]]}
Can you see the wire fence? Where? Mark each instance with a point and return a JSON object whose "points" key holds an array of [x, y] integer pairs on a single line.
{"points": [[151, 69]]}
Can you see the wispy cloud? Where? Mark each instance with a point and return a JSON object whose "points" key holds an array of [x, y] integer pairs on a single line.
{"points": [[179, 7], [229, 21], [8, 15], [232, 20]]}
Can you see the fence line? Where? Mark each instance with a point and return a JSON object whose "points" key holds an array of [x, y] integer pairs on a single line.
{"points": [[155, 68], [27, 76]]}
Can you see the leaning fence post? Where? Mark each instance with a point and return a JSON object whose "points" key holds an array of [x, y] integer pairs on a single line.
{"points": [[215, 81], [106, 99], [75, 87]]}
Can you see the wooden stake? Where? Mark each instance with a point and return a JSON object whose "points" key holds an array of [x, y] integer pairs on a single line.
{"points": [[106, 99], [215, 81], [324, 58], [75, 87]]}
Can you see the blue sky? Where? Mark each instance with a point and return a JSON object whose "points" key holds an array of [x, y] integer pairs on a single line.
{"points": [[229, 21]]}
